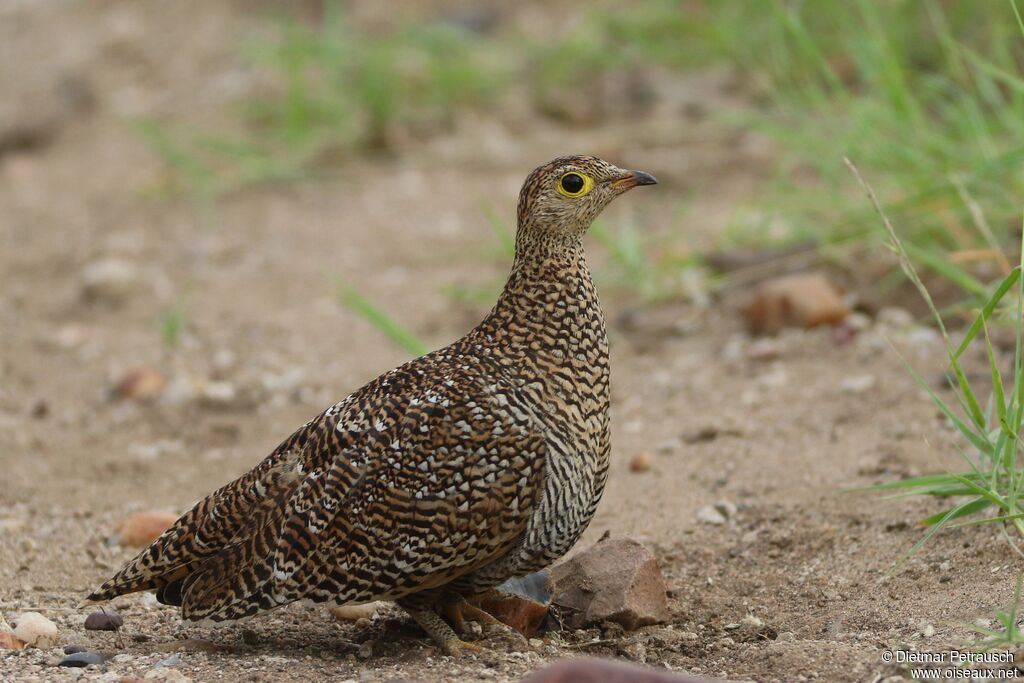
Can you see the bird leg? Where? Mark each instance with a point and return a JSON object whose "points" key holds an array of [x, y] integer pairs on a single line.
{"points": [[492, 626], [444, 618], [438, 629]]}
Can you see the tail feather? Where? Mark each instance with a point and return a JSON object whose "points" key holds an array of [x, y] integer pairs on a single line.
{"points": [[217, 590], [201, 534]]}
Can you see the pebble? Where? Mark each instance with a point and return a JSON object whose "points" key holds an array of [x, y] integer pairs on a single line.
{"points": [[799, 300], [355, 612], [641, 461], [80, 659], [143, 528], [669, 445], [764, 348], [104, 620], [219, 393], [892, 316], [857, 384], [72, 649], [167, 675], [173, 660], [35, 630], [710, 515], [143, 383], [726, 508], [365, 650], [109, 281]]}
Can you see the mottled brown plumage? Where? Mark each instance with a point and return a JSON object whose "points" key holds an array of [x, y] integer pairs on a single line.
{"points": [[441, 478]]}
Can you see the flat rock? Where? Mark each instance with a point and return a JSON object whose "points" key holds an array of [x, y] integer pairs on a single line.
{"points": [[615, 580], [802, 300], [591, 670], [81, 659]]}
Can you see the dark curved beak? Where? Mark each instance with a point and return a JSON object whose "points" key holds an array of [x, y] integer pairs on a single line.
{"points": [[632, 179]]}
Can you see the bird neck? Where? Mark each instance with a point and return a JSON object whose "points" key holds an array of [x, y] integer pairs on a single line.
{"points": [[549, 304]]}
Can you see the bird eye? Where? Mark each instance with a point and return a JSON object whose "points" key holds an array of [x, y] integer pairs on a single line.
{"points": [[574, 184]]}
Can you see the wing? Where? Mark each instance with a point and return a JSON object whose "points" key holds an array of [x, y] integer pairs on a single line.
{"points": [[425, 475]]}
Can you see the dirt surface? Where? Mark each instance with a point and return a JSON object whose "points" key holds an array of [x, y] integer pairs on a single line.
{"points": [[788, 588]]}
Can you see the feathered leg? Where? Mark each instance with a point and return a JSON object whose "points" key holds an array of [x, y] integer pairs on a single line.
{"points": [[423, 610]]}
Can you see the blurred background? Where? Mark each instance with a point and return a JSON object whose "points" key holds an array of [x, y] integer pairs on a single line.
{"points": [[217, 218]]}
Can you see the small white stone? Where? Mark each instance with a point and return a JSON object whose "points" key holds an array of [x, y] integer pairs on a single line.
{"points": [[857, 384], [36, 630], [220, 392], [895, 317], [109, 280], [710, 515]]}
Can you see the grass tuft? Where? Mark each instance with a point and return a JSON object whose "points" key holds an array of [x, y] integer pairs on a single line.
{"points": [[995, 478]]}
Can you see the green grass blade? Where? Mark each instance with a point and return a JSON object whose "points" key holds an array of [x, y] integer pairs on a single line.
{"points": [[987, 310], [387, 325], [971, 507], [932, 530]]}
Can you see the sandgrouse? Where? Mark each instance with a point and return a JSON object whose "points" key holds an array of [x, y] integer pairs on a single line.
{"points": [[440, 479]]}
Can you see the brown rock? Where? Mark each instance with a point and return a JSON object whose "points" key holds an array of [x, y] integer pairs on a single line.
{"points": [[104, 620], [591, 670], [804, 300], [522, 614], [143, 383], [641, 461], [144, 528], [616, 580], [8, 641]]}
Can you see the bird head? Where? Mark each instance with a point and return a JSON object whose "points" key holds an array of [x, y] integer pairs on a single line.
{"points": [[560, 199]]}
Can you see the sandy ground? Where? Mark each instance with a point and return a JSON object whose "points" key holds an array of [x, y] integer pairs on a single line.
{"points": [[778, 438]]}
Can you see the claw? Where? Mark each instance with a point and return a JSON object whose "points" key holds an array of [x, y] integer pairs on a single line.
{"points": [[474, 613]]}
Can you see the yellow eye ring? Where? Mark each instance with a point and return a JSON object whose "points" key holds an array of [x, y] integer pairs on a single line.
{"points": [[574, 184]]}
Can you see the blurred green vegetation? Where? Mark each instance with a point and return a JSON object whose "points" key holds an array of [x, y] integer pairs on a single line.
{"points": [[926, 96]]}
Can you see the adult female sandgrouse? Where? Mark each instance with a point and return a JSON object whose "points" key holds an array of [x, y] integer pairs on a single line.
{"points": [[440, 479]]}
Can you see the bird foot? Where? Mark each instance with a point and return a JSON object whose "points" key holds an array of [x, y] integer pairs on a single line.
{"points": [[456, 647]]}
